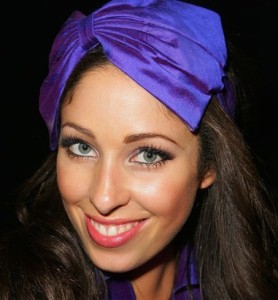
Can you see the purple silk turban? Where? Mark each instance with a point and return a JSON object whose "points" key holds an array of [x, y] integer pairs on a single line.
{"points": [[174, 50]]}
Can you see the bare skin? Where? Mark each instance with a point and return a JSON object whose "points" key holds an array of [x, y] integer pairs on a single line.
{"points": [[127, 173]]}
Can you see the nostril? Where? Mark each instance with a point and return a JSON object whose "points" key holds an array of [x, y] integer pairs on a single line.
{"points": [[106, 203], [108, 190]]}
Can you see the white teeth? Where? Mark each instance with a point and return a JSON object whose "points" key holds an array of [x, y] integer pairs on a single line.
{"points": [[121, 229], [112, 230], [101, 229]]}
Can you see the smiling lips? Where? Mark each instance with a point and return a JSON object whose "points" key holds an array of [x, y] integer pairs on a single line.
{"points": [[112, 235]]}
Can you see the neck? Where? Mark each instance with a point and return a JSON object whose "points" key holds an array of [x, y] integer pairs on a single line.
{"points": [[155, 279]]}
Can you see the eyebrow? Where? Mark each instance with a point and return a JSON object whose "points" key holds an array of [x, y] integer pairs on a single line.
{"points": [[79, 129], [129, 139], [142, 136]]}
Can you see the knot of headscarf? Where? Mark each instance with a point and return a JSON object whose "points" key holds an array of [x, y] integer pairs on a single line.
{"points": [[174, 50]]}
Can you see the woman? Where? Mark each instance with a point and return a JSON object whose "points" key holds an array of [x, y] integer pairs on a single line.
{"points": [[150, 191]]}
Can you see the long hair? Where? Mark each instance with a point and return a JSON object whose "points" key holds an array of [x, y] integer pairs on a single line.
{"points": [[233, 222], [236, 232], [43, 258]]}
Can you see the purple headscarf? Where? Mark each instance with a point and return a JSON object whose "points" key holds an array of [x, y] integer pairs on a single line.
{"points": [[174, 50]]}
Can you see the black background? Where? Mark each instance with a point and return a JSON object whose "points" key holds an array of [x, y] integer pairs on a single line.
{"points": [[28, 29]]}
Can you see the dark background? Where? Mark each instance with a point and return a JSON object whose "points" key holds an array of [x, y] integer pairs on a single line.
{"points": [[28, 29]]}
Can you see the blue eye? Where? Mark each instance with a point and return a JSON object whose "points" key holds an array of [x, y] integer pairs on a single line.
{"points": [[151, 156], [78, 148], [81, 149]]}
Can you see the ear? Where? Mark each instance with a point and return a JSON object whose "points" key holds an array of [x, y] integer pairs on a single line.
{"points": [[208, 179]]}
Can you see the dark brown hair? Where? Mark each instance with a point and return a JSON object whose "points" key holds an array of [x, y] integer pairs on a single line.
{"points": [[233, 225]]}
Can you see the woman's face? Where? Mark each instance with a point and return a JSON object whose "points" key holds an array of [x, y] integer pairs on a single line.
{"points": [[127, 170]]}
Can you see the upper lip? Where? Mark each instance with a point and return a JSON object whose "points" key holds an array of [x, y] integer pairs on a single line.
{"points": [[118, 221]]}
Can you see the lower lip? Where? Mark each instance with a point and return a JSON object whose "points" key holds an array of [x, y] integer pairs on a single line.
{"points": [[112, 241]]}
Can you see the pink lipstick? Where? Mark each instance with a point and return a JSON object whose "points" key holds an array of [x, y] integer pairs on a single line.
{"points": [[111, 235]]}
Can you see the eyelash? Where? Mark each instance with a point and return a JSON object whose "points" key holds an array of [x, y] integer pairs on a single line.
{"points": [[69, 141], [164, 155]]}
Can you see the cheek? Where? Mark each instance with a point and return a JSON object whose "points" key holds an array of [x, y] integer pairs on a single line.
{"points": [[170, 198], [72, 184]]}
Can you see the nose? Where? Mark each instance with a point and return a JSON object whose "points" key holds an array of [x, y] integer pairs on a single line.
{"points": [[109, 187]]}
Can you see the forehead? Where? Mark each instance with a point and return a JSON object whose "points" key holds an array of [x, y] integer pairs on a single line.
{"points": [[106, 97], [104, 73]]}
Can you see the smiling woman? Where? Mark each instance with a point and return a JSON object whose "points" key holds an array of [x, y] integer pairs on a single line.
{"points": [[121, 185], [150, 191]]}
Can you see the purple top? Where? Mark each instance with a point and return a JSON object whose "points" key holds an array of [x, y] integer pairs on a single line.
{"points": [[120, 289], [174, 50]]}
